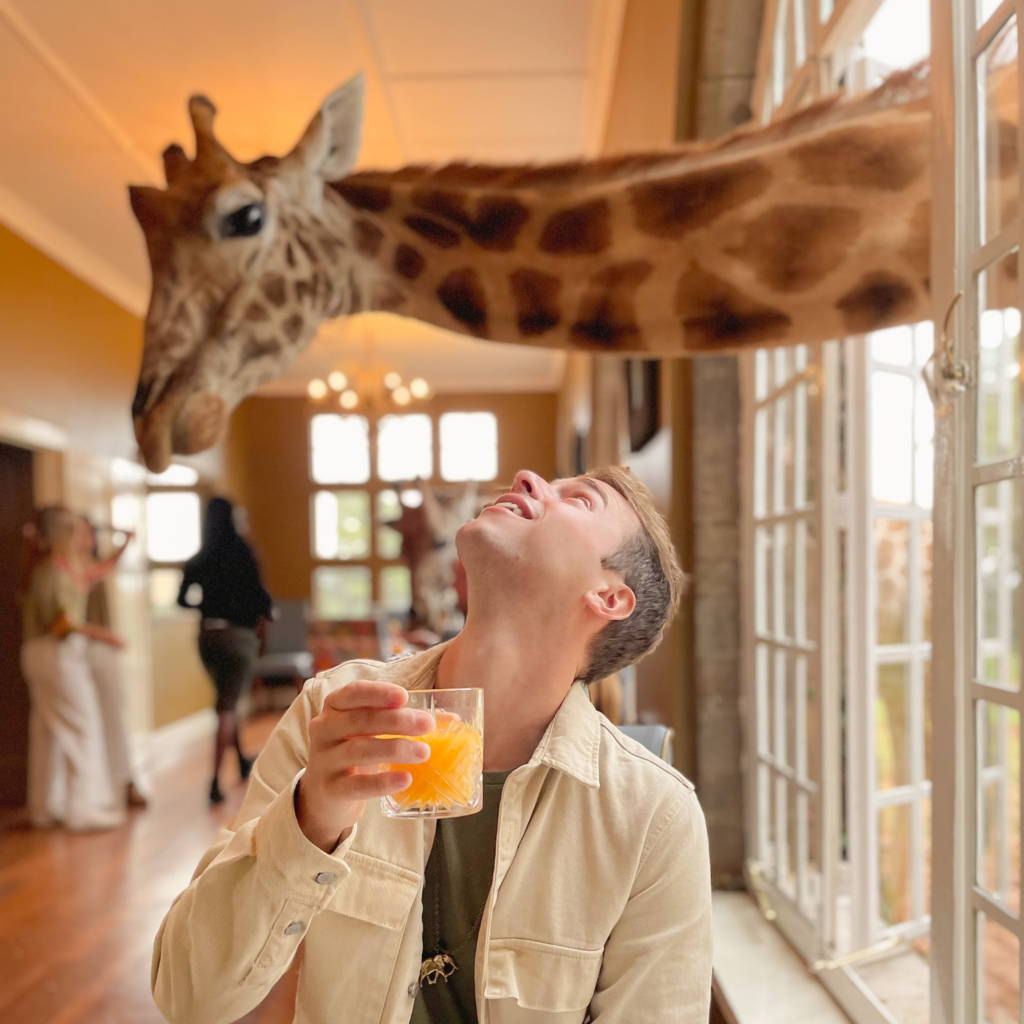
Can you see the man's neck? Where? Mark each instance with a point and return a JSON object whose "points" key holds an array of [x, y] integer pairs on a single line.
{"points": [[524, 673]]}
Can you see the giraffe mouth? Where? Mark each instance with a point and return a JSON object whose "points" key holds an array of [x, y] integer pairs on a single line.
{"points": [[179, 424]]}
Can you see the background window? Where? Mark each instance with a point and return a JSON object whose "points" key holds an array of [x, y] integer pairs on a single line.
{"points": [[396, 589], [172, 526], [341, 524], [342, 592], [469, 446], [389, 508], [163, 590], [340, 449], [405, 447]]}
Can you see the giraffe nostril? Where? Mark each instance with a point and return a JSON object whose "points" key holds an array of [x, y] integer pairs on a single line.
{"points": [[527, 487]]}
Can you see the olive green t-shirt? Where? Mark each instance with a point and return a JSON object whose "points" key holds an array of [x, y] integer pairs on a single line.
{"points": [[455, 889]]}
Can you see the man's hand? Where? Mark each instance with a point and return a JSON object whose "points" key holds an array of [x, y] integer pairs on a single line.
{"points": [[345, 755]]}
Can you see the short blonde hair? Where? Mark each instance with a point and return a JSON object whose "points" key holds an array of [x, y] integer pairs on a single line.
{"points": [[648, 565]]}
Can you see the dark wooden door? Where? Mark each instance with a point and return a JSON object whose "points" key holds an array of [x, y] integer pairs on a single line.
{"points": [[15, 511]]}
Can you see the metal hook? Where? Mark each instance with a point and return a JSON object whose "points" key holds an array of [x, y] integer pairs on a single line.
{"points": [[952, 372]]}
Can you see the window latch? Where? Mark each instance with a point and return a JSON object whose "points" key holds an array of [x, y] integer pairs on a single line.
{"points": [[867, 953], [953, 375]]}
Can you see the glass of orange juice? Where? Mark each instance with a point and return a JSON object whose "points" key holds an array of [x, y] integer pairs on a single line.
{"points": [[449, 783]]}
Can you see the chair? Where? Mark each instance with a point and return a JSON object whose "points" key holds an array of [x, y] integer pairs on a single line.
{"points": [[656, 738], [286, 659]]}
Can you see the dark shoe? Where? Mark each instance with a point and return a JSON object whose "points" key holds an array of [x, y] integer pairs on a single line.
{"points": [[216, 796], [245, 766]]}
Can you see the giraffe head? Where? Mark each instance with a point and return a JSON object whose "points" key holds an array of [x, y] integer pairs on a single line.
{"points": [[234, 251]]}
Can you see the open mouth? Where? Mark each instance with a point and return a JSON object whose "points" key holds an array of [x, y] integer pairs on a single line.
{"points": [[515, 504]]}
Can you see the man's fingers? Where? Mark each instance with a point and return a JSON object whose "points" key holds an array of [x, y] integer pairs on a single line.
{"points": [[333, 726], [365, 693], [368, 750], [367, 787]]}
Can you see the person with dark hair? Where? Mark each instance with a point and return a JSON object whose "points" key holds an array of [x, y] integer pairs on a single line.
{"points": [[581, 890], [231, 603]]}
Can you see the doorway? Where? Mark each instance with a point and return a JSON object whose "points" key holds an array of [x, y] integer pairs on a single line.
{"points": [[15, 511]]}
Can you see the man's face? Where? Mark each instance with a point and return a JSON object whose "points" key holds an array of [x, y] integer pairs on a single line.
{"points": [[549, 537]]}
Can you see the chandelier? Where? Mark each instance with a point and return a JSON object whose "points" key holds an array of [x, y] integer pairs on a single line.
{"points": [[368, 385]]}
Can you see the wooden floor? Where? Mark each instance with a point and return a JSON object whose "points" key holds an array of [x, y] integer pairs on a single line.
{"points": [[78, 913]]}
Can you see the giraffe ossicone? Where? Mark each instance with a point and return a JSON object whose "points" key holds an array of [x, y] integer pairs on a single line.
{"points": [[810, 228]]}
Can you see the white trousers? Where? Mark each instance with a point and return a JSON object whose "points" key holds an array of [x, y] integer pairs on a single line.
{"points": [[68, 771], [105, 663]]}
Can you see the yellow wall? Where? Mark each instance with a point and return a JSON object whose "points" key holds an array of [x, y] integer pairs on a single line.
{"points": [[180, 683], [268, 469], [68, 355]]}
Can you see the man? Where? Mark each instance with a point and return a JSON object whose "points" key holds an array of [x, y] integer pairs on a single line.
{"points": [[583, 885]]}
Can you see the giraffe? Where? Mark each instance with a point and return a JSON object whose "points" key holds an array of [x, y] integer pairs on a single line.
{"points": [[813, 227]]}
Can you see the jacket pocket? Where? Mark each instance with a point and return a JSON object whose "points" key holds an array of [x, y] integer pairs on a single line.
{"points": [[376, 892], [540, 977]]}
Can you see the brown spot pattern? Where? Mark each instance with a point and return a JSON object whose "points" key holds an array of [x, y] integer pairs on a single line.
{"points": [[256, 313], [274, 288], [367, 238], [462, 294], [293, 327], [468, 175], [497, 222], [355, 293], [408, 262], [434, 231], [886, 158], [579, 230], [673, 206], [715, 313], [536, 297], [307, 247], [307, 289], [289, 255], [792, 248], [375, 198], [607, 315], [917, 251], [332, 246], [255, 348], [879, 299]]}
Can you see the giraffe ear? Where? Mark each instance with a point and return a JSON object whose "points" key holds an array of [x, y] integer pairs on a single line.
{"points": [[148, 204], [330, 144]]}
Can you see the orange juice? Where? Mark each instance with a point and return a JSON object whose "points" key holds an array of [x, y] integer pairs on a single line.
{"points": [[449, 780]]}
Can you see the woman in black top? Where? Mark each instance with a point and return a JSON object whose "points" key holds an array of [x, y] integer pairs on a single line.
{"points": [[232, 603]]}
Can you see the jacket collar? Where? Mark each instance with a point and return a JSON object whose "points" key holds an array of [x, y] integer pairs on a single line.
{"points": [[570, 744]]}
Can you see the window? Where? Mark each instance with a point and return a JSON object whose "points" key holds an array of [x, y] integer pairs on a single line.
{"points": [[363, 475], [469, 446], [172, 520]]}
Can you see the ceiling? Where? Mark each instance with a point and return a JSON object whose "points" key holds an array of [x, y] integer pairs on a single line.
{"points": [[93, 93]]}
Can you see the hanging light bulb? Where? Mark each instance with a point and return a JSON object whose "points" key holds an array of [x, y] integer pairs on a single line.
{"points": [[401, 395], [348, 399], [337, 380], [392, 379], [316, 389], [419, 388]]}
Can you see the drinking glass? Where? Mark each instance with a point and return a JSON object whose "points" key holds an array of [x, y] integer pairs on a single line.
{"points": [[449, 783]]}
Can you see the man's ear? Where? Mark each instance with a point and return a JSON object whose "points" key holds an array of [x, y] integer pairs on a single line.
{"points": [[330, 145], [612, 602]]}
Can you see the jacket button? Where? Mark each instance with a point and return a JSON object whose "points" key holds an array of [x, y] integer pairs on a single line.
{"points": [[412, 990], [326, 878], [294, 928]]}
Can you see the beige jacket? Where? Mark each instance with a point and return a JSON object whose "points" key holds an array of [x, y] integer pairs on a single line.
{"points": [[601, 898]]}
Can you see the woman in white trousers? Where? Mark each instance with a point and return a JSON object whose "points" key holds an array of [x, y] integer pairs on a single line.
{"points": [[69, 775]]}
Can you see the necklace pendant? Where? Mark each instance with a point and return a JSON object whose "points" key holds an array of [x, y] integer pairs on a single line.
{"points": [[437, 968]]}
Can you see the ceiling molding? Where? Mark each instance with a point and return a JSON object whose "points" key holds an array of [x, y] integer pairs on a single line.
{"points": [[605, 44], [28, 432], [78, 91], [72, 255]]}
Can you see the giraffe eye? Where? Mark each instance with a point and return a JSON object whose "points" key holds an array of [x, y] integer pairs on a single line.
{"points": [[244, 222]]}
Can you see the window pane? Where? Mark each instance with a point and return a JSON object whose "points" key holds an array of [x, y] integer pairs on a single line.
{"points": [[762, 373], [924, 451], [926, 580], [927, 670], [998, 119], [342, 592], [895, 346], [469, 446], [892, 576], [405, 448], [998, 514], [892, 437], [340, 449], [396, 589], [342, 524], [999, 803], [999, 974], [894, 853], [892, 727], [174, 475], [999, 362], [163, 591], [762, 461], [172, 526], [389, 508]]}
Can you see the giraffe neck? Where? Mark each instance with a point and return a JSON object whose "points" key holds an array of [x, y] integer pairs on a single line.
{"points": [[799, 236]]}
